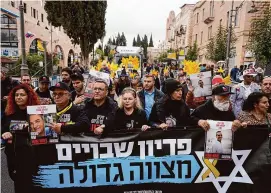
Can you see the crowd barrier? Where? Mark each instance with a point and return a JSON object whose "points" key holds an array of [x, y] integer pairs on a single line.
{"points": [[154, 161]]}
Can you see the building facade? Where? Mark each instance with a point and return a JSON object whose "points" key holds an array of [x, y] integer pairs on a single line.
{"points": [[37, 30], [208, 15]]}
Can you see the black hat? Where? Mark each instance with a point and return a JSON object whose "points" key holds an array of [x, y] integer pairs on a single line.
{"points": [[222, 90], [60, 85], [44, 79], [172, 85], [123, 73], [77, 76]]}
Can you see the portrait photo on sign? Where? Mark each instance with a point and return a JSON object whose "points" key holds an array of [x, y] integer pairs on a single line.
{"points": [[201, 84], [40, 119], [218, 140]]}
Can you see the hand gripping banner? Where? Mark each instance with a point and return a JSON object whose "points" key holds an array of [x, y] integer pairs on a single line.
{"points": [[154, 161]]}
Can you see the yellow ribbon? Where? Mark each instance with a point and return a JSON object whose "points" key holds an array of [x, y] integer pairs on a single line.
{"points": [[212, 168], [64, 110]]}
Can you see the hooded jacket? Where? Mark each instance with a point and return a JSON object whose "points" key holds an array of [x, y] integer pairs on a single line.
{"points": [[166, 108]]}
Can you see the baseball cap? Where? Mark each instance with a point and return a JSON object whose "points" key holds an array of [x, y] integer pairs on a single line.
{"points": [[77, 76], [221, 90], [249, 72], [60, 85], [44, 79], [172, 85]]}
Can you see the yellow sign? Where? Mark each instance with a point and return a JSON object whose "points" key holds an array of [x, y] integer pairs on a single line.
{"points": [[171, 56], [181, 53], [40, 46]]}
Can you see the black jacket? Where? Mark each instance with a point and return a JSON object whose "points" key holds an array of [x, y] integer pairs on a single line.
{"points": [[74, 120], [127, 122], [157, 83], [100, 115], [6, 86], [157, 95], [166, 108], [208, 111]]}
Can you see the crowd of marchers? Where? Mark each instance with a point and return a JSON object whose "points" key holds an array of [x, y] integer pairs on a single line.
{"points": [[127, 103]]}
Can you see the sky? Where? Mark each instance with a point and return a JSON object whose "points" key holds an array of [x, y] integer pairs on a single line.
{"points": [[140, 17]]}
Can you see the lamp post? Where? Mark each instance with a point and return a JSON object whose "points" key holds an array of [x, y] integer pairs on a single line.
{"points": [[24, 67]]}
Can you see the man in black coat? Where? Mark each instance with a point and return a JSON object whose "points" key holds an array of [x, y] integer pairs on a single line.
{"points": [[218, 108]]}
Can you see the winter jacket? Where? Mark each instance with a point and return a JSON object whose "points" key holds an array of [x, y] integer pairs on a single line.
{"points": [[157, 83], [44, 95], [74, 120], [239, 96], [207, 111], [101, 115], [157, 95], [176, 112], [6, 86], [127, 122], [121, 85]]}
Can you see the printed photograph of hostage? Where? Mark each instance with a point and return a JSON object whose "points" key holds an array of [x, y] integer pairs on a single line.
{"points": [[218, 144], [202, 84], [37, 124]]}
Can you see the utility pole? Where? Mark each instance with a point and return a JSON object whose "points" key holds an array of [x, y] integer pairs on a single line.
{"points": [[229, 39], [45, 57], [24, 67]]}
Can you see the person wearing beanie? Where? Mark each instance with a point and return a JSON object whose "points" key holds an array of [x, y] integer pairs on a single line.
{"points": [[171, 110]]}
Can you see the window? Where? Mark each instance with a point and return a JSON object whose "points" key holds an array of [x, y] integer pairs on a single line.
{"points": [[211, 8], [25, 8], [220, 22], [41, 17], [4, 35], [37, 14], [236, 21], [9, 35], [209, 32], [13, 35], [197, 17], [34, 13], [196, 38], [203, 14], [4, 19], [12, 3], [201, 37], [31, 11]]}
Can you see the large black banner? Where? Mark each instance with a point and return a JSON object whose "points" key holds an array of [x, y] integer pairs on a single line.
{"points": [[153, 161]]}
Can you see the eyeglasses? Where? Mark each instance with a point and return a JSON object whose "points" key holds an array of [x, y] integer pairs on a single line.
{"points": [[61, 94], [98, 89]]}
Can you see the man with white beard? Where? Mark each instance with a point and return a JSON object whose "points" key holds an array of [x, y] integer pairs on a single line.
{"points": [[218, 109]]}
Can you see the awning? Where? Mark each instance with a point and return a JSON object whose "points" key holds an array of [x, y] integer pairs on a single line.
{"points": [[5, 60], [9, 12]]}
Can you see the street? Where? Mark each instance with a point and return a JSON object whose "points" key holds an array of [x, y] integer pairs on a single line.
{"points": [[6, 182]]}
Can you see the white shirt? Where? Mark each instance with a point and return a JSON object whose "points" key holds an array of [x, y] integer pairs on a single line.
{"points": [[217, 147], [199, 92]]}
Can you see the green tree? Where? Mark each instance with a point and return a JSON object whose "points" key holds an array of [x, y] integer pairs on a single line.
{"points": [[217, 45], [114, 42], [192, 53], [118, 40], [138, 40], [123, 41], [100, 47], [151, 42], [82, 21], [134, 42], [260, 38], [109, 42], [106, 50], [145, 44]]}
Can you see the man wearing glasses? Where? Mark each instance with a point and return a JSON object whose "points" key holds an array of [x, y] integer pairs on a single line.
{"points": [[70, 118], [100, 108], [244, 89]]}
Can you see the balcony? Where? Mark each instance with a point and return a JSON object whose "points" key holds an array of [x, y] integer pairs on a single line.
{"points": [[209, 19]]}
